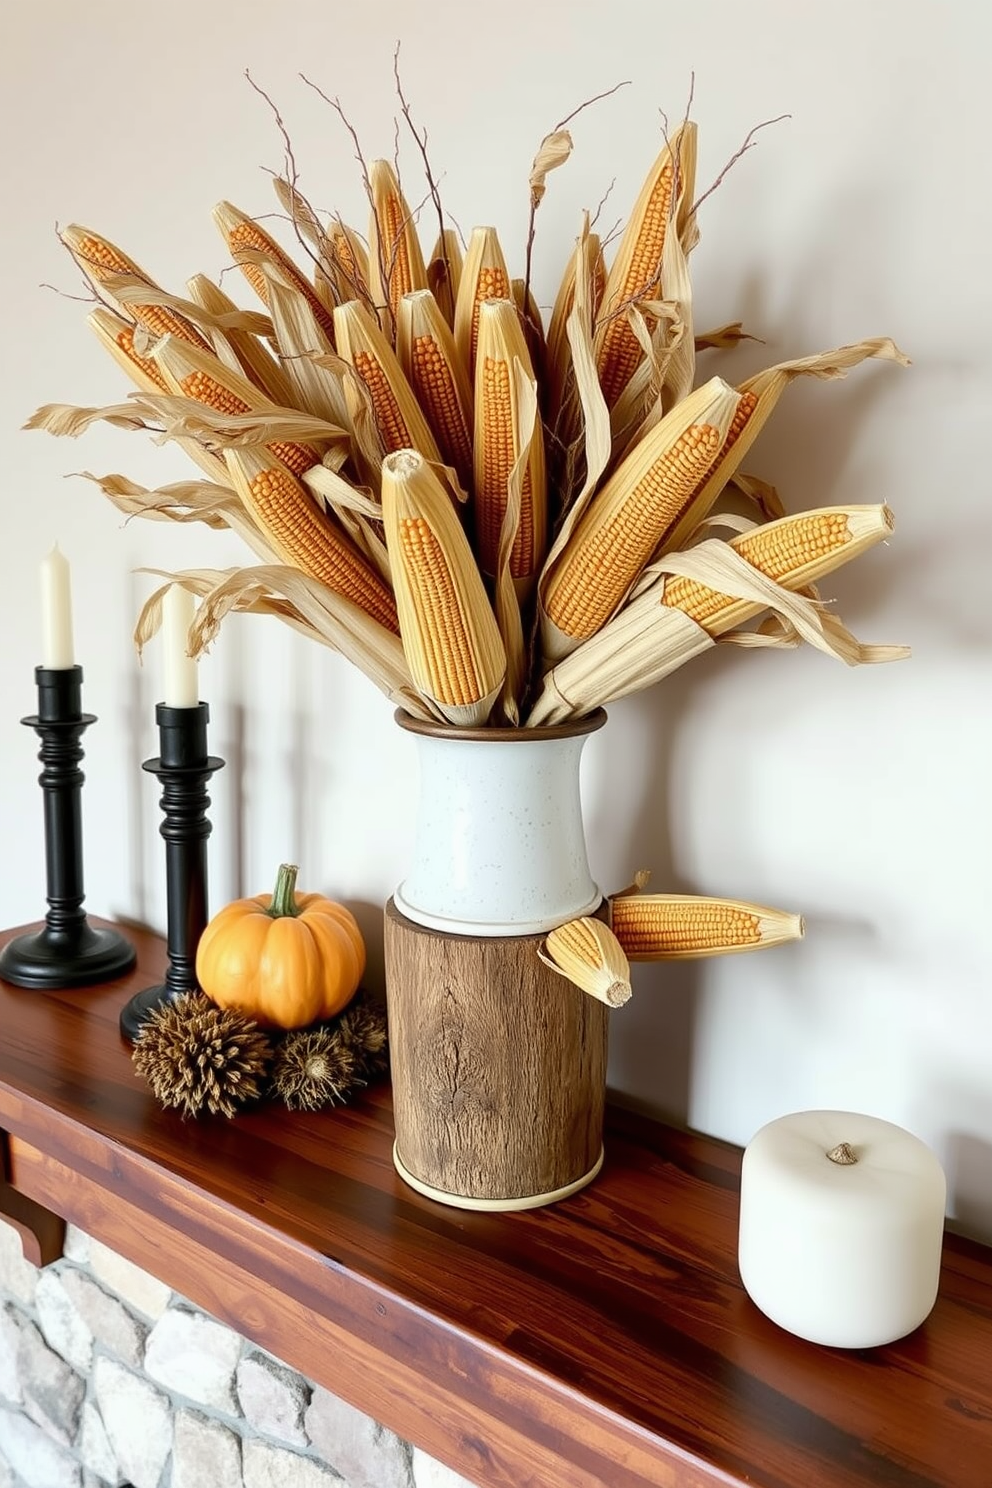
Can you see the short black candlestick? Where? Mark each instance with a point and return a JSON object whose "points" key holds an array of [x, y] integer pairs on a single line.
{"points": [[183, 767], [69, 951]]}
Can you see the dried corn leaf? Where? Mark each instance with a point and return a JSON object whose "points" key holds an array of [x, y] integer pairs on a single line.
{"points": [[65, 420], [308, 356], [553, 151], [236, 334], [723, 338], [587, 952]]}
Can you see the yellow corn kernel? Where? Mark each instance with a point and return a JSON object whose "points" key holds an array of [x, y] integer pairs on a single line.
{"points": [[657, 927], [610, 547], [484, 277], [454, 676], [395, 434], [103, 260], [245, 238], [398, 416], [394, 249], [434, 386], [307, 538], [792, 551]]}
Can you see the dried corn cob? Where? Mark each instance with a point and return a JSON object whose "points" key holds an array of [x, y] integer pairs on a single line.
{"points": [[794, 551], [253, 358], [444, 272], [305, 349], [587, 258], [759, 395], [663, 927], [450, 636], [426, 350], [250, 246], [196, 374], [396, 264], [398, 415], [303, 536], [102, 261], [629, 516], [349, 262], [499, 442], [589, 953], [484, 277], [636, 271]]}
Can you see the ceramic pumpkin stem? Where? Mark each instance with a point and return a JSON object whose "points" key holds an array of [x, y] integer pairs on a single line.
{"points": [[284, 893]]}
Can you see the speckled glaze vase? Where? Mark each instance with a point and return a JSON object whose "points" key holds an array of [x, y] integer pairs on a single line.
{"points": [[499, 846]]}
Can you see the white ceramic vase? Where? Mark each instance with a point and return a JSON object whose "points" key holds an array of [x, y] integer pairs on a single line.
{"points": [[499, 845]]}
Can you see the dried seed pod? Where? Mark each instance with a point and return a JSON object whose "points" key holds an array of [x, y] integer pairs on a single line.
{"points": [[200, 1059]]}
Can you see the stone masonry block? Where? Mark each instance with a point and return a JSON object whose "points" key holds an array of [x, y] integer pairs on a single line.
{"points": [[364, 1452], [429, 1473], [145, 1293], [17, 1276], [53, 1392], [195, 1356], [138, 1420], [273, 1398], [268, 1466], [10, 1343], [76, 1246], [65, 1331], [109, 1321], [205, 1454], [37, 1461], [94, 1449]]}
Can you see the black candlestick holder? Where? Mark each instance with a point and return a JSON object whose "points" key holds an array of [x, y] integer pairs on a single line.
{"points": [[69, 951], [183, 768]]}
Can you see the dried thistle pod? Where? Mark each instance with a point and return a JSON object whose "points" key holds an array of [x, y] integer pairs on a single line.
{"points": [[314, 1068], [252, 249], [587, 952], [484, 277], [425, 346], [628, 517], [200, 1059], [450, 636], [501, 440], [395, 261], [398, 416]]}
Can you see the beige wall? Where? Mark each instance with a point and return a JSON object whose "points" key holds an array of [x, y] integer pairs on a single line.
{"points": [[856, 797]]}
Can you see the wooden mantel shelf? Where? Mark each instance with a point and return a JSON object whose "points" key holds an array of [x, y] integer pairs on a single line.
{"points": [[602, 1343]]}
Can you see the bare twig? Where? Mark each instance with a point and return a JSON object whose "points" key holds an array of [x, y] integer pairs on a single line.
{"points": [[747, 145], [602, 203], [421, 141], [590, 101], [93, 295], [291, 172]]}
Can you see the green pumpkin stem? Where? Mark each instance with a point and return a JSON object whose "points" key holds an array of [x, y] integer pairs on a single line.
{"points": [[284, 894]]}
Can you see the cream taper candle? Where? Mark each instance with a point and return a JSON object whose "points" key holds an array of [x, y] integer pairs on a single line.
{"points": [[841, 1225], [181, 685], [56, 612]]}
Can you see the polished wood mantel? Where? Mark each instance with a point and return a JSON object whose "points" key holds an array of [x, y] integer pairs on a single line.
{"points": [[602, 1343]]}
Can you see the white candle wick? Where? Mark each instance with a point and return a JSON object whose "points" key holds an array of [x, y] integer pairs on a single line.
{"points": [[56, 612], [178, 612]]}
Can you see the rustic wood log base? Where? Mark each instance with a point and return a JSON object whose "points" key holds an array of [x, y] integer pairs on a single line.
{"points": [[498, 1069], [604, 1342]]}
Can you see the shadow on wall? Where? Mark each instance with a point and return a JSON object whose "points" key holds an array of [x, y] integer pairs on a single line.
{"points": [[968, 1165]]}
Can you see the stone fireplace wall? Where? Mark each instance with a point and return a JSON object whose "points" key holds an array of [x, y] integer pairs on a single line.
{"points": [[110, 1380]]}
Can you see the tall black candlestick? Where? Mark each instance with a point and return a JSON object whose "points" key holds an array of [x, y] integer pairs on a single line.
{"points": [[183, 767], [69, 951]]}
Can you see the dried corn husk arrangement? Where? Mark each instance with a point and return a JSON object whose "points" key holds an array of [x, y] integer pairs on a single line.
{"points": [[500, 522]]}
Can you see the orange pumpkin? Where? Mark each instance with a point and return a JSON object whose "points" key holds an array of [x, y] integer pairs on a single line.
{"points": [[286, 961]]}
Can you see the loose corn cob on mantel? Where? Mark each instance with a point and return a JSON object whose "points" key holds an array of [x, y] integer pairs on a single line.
{"points": [[578, 460], [681, 927], [588, 953]]}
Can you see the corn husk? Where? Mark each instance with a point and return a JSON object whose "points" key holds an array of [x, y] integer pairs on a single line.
{"points": [[685, 927], [307, 354], [647, 641], [239, 348], [444, 272], [425, 346], [764, 390], [484, 276], [396, 263], [503, 437], [588, 953], [399, 418], [450, 636], [350, 261], [253, 250], [586, 263], [310, 232], [705, 417], [109, 269]]}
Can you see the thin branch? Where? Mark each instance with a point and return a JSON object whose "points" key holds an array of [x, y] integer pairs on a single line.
{"points": [[93, 295], [747, 145], [291, 172], [590, 101], [602, 203], [421, 141]]}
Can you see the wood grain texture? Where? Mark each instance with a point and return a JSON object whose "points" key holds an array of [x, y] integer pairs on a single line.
{"points": [[498, 1064], [41, 1233], [605, 1342]]}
